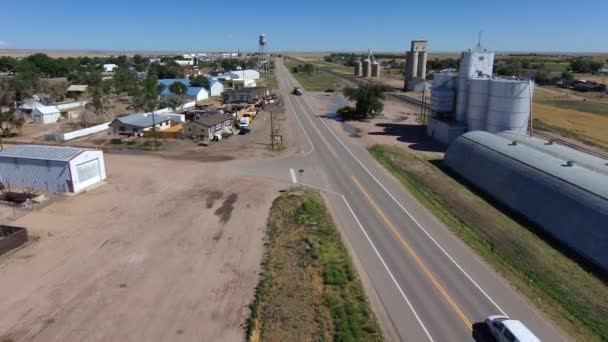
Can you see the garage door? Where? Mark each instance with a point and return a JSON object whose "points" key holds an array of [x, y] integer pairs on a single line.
{"points": [[88, 173]]}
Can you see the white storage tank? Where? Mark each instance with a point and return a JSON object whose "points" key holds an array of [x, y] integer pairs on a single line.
{"points": [[358, 67], [477, 103], [474, 62], [367, 68], [375, 69], [442, 100], [462, 91], [445, 79], [509, 105]]}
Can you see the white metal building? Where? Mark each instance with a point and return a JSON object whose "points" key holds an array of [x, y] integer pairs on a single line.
{"points": [[216, 88], [51, 168], [46, 114]]}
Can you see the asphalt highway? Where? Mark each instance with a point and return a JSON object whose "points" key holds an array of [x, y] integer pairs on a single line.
{"points": [[426, 283]]}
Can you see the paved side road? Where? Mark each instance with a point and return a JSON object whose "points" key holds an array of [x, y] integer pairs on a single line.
{"points": [[428, 284]]}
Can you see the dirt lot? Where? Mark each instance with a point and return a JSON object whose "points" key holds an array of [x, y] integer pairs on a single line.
{"points": [[140, 258], [398, 126]]}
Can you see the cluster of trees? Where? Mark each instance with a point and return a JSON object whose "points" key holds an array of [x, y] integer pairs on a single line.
{"points": [[234, 63], [307, 68], [585, 65], [369, 101]]}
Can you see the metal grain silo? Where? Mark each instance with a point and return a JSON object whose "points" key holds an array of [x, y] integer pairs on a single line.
{"points": [[509, 105], [367, 68], [462, 96], [358, 67], [375, 69], [477, 103], [445, 79], [442, 100]]}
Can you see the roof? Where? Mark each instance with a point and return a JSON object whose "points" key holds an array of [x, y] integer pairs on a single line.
{"points": [[213, 119], [169, 81], [47, 109], [193, 91], [42, 152], [78, 87], [143, 120], [246, 90], [590, 174], [521, 332]]}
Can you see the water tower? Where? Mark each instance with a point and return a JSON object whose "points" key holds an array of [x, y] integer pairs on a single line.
{"points": [[263, 52]]}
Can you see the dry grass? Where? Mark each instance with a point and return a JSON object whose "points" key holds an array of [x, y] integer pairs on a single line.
{"points": [[308, 289], [590, 127], [575, 299]]}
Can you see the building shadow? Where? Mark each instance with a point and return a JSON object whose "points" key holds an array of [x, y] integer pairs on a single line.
{"points": [[415, 135], [481, 333]]}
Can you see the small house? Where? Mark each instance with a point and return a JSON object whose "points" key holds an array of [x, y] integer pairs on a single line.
{"points": [[76, 91], [245, 95], [216, 88], [139, 123], [46, 114], [208, 126]]}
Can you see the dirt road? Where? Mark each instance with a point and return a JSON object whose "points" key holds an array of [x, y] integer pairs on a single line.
{"points": [[143, 258]]}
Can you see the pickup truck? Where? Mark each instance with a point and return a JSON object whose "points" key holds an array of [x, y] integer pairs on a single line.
{"points": [[297, 91]]}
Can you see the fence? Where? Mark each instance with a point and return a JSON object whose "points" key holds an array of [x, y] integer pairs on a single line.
{"points": [[77, 134], [11, 237]]}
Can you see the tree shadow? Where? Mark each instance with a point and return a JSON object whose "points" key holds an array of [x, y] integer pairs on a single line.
{"points": [[415, 135]]}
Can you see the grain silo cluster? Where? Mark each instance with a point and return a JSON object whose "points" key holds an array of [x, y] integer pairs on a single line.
{"points": [[472, 99], [367, 68]]}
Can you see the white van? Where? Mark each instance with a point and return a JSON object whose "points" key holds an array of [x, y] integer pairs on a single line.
{"points": [[505, 329]]}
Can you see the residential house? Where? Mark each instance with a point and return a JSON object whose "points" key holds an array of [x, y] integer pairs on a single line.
{"points": [[45, 114], [139, 123], [208, 126], [77, 91], [196, 93], [245, 94], [239, 78], [216, 88], [109, 67]]}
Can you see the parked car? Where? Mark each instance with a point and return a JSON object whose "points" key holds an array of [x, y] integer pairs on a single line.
{"points": [[505, 329], [329, 90]]}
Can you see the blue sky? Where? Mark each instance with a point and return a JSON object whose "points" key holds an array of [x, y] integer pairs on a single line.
{"points": [[199, 25]]}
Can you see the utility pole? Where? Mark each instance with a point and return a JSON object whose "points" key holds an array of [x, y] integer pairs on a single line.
{"points": [[271, 131]]}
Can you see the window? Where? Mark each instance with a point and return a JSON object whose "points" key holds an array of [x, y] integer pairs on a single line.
{"points": [[481, 59], [508, 335]]}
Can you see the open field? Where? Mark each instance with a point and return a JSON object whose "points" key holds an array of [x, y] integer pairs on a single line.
{"points": [[309, 289], [572, 297], [586, 127], [317, 81], [580, 106], [141, 258]]}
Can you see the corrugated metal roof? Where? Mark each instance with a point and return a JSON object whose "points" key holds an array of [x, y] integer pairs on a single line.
{"points": [[144, 120], [47, 109], [581, 175], [41, 152], [78, 87]]}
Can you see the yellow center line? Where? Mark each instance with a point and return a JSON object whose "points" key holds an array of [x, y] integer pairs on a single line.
{"points": [[329, 147], [413, 254]]}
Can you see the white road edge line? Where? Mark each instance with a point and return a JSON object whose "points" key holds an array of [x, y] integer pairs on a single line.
{"points": [[293, 176], [293, 109], [409, 304], [410, 215]]}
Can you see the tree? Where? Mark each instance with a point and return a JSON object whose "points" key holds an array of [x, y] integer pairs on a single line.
{"points": [[178, 88], [567, 75], [200, 81], [542, 76], [585, 65], [8, 122], [124, 80], [369, 99], [170, 101]]}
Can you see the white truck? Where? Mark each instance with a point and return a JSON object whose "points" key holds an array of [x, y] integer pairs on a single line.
{"points": [[244, 123]]}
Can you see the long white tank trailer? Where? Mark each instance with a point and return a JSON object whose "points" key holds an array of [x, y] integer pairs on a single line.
{"points": [[472, 96]]}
